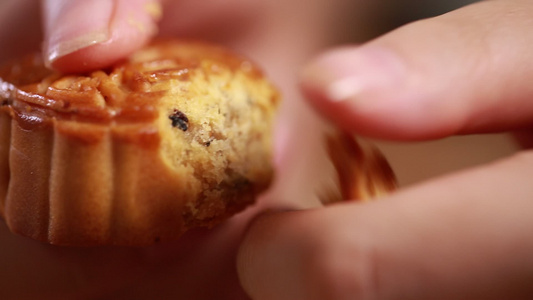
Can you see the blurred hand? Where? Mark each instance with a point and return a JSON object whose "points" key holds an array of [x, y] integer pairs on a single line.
{"points": [[463, 236]]}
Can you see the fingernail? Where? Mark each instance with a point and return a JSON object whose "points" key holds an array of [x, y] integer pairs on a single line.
{"points": [[74, 25], [347, 74]]}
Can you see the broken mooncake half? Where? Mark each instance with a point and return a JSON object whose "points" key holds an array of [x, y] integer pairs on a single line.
{"points": [[177, 136]]}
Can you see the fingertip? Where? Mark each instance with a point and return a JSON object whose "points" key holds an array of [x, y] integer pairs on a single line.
{"points": [[378, 91], [97, 56], [82, 36], [361, 89]]}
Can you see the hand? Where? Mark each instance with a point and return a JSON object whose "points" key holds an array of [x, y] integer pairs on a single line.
{"points": [[82, 35], [463, 236]]}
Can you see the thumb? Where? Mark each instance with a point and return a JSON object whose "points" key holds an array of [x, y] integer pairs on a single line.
{"points": [[85, 35], [440, 240]]}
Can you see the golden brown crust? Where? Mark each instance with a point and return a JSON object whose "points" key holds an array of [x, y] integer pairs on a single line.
{"points": [[363, 172], [124, 93], [105, 158]]}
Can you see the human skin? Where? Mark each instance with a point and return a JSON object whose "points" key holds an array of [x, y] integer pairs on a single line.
{"points": [[202, 264], [464, 236], [467, 235]]}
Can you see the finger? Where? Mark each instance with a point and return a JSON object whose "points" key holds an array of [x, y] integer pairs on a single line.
{"points": [[467, 236], [85, 35], [466, 71]]}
